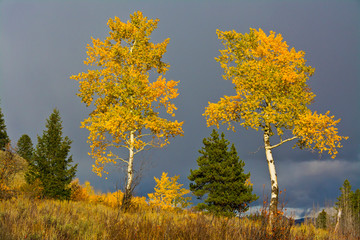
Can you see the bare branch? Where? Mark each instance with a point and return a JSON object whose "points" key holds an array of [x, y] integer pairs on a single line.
{"points": [[256, 150], [144, 147], [121, 159], [117, 145], [282, 141]]}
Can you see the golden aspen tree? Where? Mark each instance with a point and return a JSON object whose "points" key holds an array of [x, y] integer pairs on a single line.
{"points": [[271, 95], [168, 193], [126, 103]]}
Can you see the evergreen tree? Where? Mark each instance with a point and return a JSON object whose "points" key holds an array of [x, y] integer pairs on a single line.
{"points": [[51, 164], [348, 203], [344, 202], [321, 220], [25, 147], [221, 178], [356, 210], [4, 139]]}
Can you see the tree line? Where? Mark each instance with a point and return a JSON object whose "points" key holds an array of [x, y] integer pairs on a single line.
{"points": [[49, 173], [48, 169]]}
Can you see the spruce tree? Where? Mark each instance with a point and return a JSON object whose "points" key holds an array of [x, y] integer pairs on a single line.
{"points": [[25, 147], [220, 178], [4, 138], [321, 220], [356, 210], [348, 203], [50, 163]]}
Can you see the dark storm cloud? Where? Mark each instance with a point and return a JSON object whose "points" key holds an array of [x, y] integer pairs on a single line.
{"points": [[43, 43]]}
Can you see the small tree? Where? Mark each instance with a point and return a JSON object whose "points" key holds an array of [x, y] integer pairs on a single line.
{"points": [[221, 178], [51, 163], [321, 220], [348, 210], [168, 193], [271, 95], [10, 166], [356, 210], [25, 147], [126, 102], [4, 138]]}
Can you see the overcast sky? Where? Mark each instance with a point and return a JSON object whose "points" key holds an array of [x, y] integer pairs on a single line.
{"points": [[43, 43]]}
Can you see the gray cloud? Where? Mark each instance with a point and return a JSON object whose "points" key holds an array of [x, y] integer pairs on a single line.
{"points": [[43, 43]]}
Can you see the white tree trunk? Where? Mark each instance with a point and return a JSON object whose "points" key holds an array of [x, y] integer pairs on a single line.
{"points": [[272, 171], [338, 220], [130, 175], [130, 171]]}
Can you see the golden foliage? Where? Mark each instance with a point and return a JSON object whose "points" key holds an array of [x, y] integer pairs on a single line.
{"points": [[54, 219], [271, 90], [119, 88], [318, 131], [12, 171], [248, 182], [168, 193], [86, 193], [78, 192]]}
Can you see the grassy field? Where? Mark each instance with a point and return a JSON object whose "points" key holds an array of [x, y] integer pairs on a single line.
{"points": [[22, 218]]}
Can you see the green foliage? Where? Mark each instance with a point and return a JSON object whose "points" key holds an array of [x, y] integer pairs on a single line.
{"points": [[345, 194], [25, 147], [356, 205], [321, 220], [25, 150], [349, 204], [221, 178], [51, 163], [4, 138]]}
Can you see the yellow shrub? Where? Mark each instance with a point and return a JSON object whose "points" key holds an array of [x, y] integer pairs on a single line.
{"points": [[168, 193], [78, 193]]}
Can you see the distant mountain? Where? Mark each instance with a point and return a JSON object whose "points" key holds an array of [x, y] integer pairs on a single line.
{"points": [[299, 221], [302, 220]]}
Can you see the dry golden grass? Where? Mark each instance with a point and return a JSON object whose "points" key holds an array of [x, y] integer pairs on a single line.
{"points": [[23, 218], [91, 215]]}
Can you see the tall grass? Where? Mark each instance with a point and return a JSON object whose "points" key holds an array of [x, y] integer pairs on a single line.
{"points": [[23, 218], [89, 215]]}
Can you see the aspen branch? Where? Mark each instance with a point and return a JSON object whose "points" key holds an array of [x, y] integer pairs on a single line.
{"points": [[131, 49], [121, 159], [118, 145], [282, 141], [143, 135], [144, 146]]}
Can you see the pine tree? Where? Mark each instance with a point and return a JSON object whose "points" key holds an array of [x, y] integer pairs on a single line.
{"points": [[321, 220], [25, 147], [4, 138], [51, 164], [356, 210], [346, 205], [221, 178]]}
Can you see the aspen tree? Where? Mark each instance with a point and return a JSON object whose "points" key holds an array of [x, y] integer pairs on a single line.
{"points": [[125, 101], [272, 95]]}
